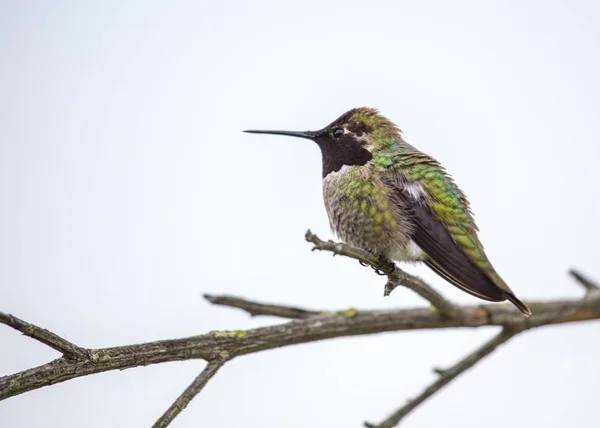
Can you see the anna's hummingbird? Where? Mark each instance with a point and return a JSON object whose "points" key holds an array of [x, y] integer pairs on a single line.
{"points": [[387, 197]]}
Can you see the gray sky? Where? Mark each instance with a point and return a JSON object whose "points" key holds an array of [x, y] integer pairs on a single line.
{"points": [[128, 190]]}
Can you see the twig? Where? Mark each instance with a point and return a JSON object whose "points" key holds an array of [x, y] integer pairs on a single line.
{"points": [[341, 249], [231, 344], [255, 308], [188, 395], [396, 276], [587, 283], [68, 349], [446, 376], [416, 284]]}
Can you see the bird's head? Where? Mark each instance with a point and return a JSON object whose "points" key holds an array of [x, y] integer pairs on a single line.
{"points": [[349, 140]]}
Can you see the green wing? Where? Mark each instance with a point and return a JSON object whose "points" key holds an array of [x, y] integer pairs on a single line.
{"points": [[444, 227]]}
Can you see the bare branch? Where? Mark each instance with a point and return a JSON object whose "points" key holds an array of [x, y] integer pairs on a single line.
{"points": [[68, 349], [306, 326], [255, 308], [396, 276], [230, 344], [416, 284], [188, 395], [587, 283], [341, 249], [446, 376]]}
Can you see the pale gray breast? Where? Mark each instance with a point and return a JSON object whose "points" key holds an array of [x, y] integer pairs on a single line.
{"points": [[340, 218], [364, 220]]}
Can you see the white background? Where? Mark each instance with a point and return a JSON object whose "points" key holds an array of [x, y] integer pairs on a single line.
{"points": [[128, 190]]}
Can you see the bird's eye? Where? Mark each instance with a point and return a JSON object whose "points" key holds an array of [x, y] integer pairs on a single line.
{"points": [[338, 132]]}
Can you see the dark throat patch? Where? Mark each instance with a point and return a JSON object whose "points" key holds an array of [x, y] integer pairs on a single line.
{"points": [[339, 152]]}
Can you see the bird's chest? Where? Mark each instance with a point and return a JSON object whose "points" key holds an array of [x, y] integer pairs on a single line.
{"points": [[359, 208]]}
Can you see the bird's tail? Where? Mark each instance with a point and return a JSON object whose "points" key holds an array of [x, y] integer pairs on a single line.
{"points": [[522, 306]]}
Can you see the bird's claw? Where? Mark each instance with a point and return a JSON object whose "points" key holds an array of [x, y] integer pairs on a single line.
{"points": [[387, 266]]}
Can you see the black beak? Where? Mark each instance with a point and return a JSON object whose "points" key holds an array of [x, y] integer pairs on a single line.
{"points": [[306, 134]]}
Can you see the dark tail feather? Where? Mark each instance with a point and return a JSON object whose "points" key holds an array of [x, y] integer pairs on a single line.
{"points": [[522, 306]]}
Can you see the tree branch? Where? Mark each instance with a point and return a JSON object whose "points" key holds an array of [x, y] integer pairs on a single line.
{"points": [[230, 344], [447, 376], [396, 276], [587, 283], [306, 326], [188, 395], [416, 284], [69, 350], [255, 308]]}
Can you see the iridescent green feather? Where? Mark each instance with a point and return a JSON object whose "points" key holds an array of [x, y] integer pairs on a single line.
{"points": [[447, 202], [372, 201]]}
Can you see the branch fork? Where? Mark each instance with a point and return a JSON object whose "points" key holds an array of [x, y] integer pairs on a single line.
{"points": [[396, 276]]}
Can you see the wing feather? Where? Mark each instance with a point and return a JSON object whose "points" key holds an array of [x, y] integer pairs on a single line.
{"points": [[447, 259], [442, 224], [446, 254]]}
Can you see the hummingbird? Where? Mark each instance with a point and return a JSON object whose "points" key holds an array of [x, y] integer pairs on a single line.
{"points": [[386, 197]]}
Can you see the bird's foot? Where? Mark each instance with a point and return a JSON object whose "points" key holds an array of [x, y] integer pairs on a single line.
{"points": [[387, 266], [384, 265]]}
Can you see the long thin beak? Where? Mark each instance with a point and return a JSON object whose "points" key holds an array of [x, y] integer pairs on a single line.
{"points": [[306, 134]]}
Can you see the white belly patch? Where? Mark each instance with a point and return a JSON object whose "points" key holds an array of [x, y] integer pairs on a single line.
{"points": [[412, 252]]}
